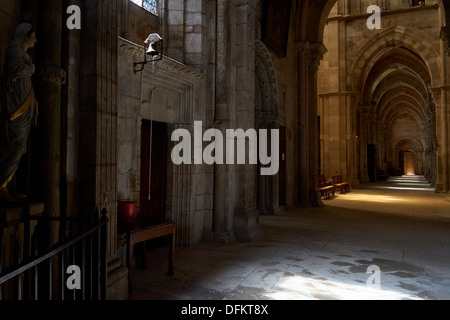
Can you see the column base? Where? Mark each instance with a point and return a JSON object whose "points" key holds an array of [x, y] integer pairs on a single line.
{"points": [[117, 280], [223, 237], [439, 188], [246, 226]]}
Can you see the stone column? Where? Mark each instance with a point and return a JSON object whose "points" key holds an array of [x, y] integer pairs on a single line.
{"points": [[175, 19], [363, 142], [433, 147], [221, 231], [381, 146], [353, 140], [70, 120], [195, 45], [98, 112], [439, 96], [51, 76], [125, 21], [308, 57], [387, 149], [246, 213]]}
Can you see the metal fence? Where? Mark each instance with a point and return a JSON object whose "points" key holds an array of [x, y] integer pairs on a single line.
{"points": [[43, 272]]}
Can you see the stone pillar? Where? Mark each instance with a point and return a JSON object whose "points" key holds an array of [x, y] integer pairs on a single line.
{"points": [[221, 231], [185, 26], [387, 149], [381, 146], [433, 147], [98, 112], [51, 76], [352, 140], [195, 19], [175, 19], [308, 57], [439, 96], [246, 213], [98, 126], [125, 29], [363, 142], [70, 120]]}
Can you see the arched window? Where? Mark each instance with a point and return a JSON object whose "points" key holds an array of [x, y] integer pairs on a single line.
{"points": [[149, 5]]}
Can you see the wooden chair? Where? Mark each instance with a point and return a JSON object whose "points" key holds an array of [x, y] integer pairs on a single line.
{"points": [[342, 187], [326, 189]]}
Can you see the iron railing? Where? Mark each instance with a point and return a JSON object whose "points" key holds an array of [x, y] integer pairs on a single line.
{"points": [[31, 277]]}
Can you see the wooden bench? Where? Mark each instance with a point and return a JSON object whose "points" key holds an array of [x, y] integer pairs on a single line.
{"points": [[341, 186], [326, 189], [143, 229]]}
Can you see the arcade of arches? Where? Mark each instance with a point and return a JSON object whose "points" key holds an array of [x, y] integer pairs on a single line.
{"points": [[378, 97], [347, 100]]}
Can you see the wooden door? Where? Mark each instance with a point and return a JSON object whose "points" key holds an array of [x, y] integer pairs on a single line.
{"points": [[153, 170], [409, 163]]}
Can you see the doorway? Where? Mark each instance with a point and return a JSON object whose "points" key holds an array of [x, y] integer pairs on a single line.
{"points": [[153, 170], [409, 163]]}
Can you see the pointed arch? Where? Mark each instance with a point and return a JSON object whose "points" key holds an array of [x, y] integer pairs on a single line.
{"points": [[266, 102], [391, 38]]}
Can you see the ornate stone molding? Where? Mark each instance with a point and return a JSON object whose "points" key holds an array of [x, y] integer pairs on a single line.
{"points": [[53, 74], [267, 107], [315, 55], [135, 53]]}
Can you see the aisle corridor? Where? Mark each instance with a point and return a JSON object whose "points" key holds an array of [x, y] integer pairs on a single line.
{"points": [[400, 226]]}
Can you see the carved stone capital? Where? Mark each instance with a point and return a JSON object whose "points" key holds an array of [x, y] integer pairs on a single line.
{"points": [[313, 51], [53, 74], [315, 55]]}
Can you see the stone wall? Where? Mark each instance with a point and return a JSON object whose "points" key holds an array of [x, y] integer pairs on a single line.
{"points": [[172, 93], [136, 23], [184, 24]]}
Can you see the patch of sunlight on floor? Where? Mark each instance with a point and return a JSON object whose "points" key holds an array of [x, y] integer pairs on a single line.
{"points": [[303, 288], [372, 198], [405, 188]]}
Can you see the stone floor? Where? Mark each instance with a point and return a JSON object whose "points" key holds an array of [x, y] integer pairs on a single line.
{"points": [[400, 226]]}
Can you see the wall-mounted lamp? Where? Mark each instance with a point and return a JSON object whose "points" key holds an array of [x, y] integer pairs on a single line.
{"points": [[154, 50]]}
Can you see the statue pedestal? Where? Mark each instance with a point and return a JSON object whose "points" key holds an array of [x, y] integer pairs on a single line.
{"points": [[11, 216], [15, 237], [12, 232]]}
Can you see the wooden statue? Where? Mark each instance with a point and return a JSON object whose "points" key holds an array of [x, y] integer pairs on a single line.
{"points": [[18, 108]]}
